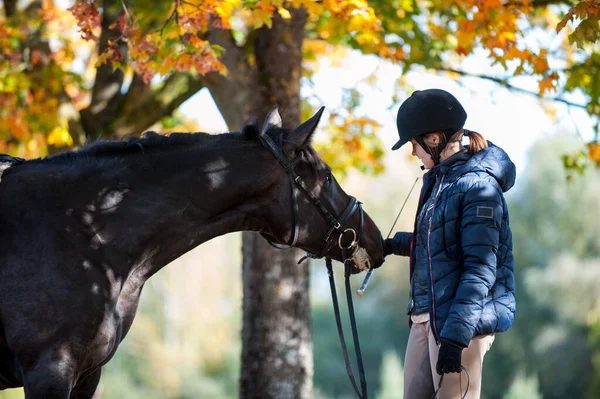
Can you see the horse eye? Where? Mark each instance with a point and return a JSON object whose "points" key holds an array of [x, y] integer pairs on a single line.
{"points": [[328, 180]]}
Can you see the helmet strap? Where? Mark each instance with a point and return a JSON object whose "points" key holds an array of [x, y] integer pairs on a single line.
{"points": [[434, 152]]}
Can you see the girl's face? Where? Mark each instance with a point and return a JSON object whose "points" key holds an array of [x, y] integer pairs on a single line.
{"points": [[419, 152]]}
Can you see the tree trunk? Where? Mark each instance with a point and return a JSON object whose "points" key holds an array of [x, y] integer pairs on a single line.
{"points": [[277, 357], [277, 336]]}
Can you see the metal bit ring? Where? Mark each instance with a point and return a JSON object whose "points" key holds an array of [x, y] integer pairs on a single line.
{"points": [[352, 244]]}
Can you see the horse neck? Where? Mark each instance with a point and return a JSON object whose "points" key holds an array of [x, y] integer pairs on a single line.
{"points": [[171, 202]]}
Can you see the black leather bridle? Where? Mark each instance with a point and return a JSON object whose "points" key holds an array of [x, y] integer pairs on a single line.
{"points": [[336, 225]]}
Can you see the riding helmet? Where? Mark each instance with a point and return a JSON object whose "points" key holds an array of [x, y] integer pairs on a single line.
{"points": [[431, 110]]}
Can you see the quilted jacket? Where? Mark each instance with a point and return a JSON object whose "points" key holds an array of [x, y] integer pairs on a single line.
{"points": [[467, 248]]}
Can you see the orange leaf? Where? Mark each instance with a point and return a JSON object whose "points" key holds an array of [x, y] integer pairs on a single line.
{"points": [[492, 4], [540, 63], [594, 152], [548, 83]]}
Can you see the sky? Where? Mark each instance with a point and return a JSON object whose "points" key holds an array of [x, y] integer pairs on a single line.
{"points": [[511, 120]]}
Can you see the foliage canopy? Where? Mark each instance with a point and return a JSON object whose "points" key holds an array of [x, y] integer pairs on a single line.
{"points": [[57, 64]]}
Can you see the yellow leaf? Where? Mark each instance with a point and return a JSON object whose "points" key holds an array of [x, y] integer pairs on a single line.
{"points": [[508, 37], [261, 17], [550, 111], [285, 14], [466, 40], [102, 59], [407, 5], [59, 137]]}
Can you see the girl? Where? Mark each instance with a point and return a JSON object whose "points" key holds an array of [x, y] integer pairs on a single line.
{"points": [[461, 262]]}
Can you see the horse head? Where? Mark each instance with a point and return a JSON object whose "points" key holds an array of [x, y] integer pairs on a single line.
{"points": [[308, 208]]}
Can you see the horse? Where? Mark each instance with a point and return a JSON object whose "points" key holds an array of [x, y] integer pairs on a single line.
{"points": [[82, 231]]}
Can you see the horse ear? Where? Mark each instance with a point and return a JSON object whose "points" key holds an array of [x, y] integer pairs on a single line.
{"points": [[273, 119], [250, 130], [302, 135]]}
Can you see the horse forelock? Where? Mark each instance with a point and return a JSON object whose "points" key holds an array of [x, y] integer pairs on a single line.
{"points": [[310, 154]]}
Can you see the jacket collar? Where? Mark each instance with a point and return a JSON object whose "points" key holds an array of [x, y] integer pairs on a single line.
{"points": [[491, 160], [449, 165]]}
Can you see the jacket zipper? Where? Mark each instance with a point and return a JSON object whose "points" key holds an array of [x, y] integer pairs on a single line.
{"points": [[432, 312], [412, 245]]}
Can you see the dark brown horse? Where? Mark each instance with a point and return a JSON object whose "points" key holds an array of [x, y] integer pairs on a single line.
{"points": [[81, 232]]}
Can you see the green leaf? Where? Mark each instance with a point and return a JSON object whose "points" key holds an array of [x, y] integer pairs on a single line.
{"points": [[170, 122], [218, 50]]}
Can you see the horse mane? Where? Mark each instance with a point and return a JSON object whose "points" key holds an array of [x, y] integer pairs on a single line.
{"points": [[151, 140], [148, 141]]}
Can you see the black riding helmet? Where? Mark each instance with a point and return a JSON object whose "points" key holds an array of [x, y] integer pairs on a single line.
{"points": [[425, 111]]}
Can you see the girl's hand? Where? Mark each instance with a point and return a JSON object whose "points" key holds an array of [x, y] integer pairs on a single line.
{"points": [[387, 247], [449, 358]]}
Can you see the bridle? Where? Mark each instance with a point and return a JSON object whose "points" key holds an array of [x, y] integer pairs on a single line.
{"points": [[336, 225], [350, 253]]}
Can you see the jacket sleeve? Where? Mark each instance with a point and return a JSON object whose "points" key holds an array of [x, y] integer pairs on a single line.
{"points": [[481, 220], [401, 243]]}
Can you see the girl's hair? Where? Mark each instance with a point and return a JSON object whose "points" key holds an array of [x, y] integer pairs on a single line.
{"points": [[477, 141]]}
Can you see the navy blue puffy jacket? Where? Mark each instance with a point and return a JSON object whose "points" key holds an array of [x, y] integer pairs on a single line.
{"points": [[469, 250]]}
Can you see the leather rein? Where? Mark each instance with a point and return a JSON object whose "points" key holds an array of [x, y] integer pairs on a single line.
{"points": [[348, 252]]}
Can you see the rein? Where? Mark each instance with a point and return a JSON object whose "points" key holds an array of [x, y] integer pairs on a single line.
{"points": [[462, 368], [362, 394]]}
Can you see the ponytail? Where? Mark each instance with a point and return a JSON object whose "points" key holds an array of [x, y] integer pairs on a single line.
{"points": [[435, 149], [477, 141]]}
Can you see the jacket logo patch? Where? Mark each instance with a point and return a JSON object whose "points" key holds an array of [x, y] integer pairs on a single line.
{"points": [[486, 212]]}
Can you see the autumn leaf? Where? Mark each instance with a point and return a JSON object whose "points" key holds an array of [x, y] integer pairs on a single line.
{"points": [[540, 63], [582, 10], [587, 30], [60, 137], [492, 4], [548, 83], [285, 14], [594, 152], [88, 18]]}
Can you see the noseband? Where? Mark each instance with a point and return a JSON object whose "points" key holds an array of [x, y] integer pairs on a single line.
{"points": [[336, 224], [351, 253]]}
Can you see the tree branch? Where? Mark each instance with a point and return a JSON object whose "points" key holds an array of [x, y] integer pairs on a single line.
{"points": [[232, 94], [141, 107], [545, 3], [106, 93], [10, 7], [112, 114], [153, 105], [505, 83], [542, 3]]}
